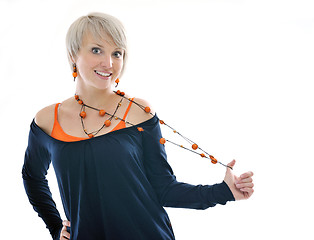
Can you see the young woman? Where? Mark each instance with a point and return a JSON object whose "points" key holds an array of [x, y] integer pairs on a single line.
{"points": [[111, 169]]}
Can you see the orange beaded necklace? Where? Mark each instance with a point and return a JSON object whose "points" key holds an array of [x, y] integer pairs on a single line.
{"points": [[194, 147]]}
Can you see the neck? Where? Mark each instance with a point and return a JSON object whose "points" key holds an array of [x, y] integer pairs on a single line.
{"points": [[97, 98]]}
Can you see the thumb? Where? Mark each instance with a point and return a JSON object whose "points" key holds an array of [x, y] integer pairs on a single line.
{"points": [[231, 164]]}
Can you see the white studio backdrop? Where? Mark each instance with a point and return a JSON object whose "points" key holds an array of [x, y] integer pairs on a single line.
{"points": [[235, 76]]}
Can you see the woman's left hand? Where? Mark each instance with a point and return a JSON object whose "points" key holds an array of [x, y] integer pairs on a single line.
{"points": [[241, 187]]}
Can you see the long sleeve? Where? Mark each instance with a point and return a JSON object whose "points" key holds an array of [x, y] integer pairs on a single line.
{"points": [[36, 164], [170, 192]]}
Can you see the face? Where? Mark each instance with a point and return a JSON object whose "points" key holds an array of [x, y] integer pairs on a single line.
{"points": [[99, 62]]}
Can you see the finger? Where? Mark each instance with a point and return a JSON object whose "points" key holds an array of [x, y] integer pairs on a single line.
{"points": [[245, 185], [65, 234], [245, 180], [231, 164], [247, 194], [247, 175], [247, 190], [66, 223]]}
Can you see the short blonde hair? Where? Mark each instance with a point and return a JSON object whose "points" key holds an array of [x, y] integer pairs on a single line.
{"points": [[97, 24]]}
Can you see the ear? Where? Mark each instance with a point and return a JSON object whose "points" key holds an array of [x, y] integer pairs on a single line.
{"points": [[73, 60]]}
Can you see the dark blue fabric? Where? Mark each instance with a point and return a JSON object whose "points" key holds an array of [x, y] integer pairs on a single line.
{"points": [[113, 186]]}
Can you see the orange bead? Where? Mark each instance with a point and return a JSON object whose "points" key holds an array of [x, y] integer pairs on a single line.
{"points": [[162, 141], [76, 97], [83, 114], [80, 102], [74, 74], [117, 80], [161, 122], [213, 160], [194, 146], [147, 109], [140, 129], [102, 112], [107, 123], [120, 93], [202, 155], [90, 135]]}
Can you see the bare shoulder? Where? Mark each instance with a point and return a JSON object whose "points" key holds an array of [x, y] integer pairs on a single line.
{"points": [[45, 118], [139, 115]]}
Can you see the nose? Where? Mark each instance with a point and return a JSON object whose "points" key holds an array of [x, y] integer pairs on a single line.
{"points": [[106, 61]]}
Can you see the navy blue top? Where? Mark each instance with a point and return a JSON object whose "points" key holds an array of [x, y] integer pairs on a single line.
{"points": [[113, 186]]}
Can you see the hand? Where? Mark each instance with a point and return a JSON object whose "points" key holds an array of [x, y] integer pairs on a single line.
{"points": [[241, 187], [64, 235]]}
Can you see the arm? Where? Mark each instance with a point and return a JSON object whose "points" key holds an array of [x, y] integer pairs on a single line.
{"points": [[170, 192], [36, 164]]}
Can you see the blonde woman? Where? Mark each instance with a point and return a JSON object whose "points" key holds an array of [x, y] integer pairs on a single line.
{"points": [[112, 172]]}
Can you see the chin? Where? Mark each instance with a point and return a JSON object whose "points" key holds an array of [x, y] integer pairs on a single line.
{"points": [[105, 85]]}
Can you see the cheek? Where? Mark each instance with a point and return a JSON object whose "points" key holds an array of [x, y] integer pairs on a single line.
{"points": [[85, 64], [119, 65]]}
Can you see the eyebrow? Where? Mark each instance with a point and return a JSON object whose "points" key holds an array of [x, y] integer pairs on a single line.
{"points": [[99, 45]]}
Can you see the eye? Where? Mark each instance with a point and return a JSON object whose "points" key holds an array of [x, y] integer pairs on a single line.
{"points": [[118, 54], [96, 50]]}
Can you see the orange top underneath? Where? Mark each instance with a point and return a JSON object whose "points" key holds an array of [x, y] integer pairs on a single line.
{"points": [[58, 133]]}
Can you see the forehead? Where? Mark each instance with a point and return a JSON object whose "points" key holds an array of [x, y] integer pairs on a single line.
{"points": [[97, 38]]}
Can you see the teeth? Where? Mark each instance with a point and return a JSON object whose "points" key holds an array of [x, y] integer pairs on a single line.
{"points": [[103, 74]]}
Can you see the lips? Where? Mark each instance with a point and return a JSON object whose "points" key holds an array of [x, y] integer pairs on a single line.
{"points": [[103, 74]]}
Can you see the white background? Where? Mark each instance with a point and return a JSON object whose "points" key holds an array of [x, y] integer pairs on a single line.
{"points": [[235, 76]]}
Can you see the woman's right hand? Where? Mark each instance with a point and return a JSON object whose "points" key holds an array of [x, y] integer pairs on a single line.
{"points": [[65, 235]]}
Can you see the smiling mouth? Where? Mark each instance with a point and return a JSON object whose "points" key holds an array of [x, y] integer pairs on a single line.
{"points": [[103, 74]]}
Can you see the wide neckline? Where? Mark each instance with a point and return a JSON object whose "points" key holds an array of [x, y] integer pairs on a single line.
{"points": [[96, 137]]}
